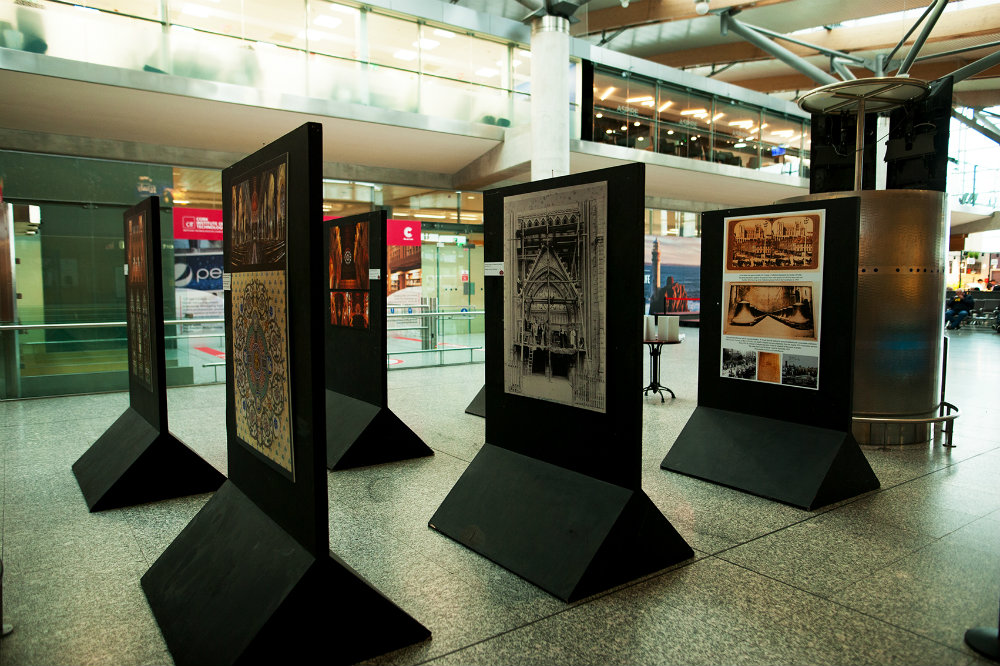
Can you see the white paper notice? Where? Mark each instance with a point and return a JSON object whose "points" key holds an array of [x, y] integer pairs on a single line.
{"points": [[227, 281], [374, 273], [125, 267], [493, 268]]}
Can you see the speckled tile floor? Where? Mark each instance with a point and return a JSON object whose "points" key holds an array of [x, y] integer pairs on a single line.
{"points": [[893, 576]]}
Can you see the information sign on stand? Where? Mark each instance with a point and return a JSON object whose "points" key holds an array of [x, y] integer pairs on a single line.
{"points": [[251, 577], [361, 429], [138, 459], [779, 287], [555, 493]]}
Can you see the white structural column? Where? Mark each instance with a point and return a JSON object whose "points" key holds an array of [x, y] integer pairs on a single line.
{"points": [[549, 97]]}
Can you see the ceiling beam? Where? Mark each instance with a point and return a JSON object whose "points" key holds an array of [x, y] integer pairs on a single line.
{"points": [[958, 24], [927, 71], [652, 11]]}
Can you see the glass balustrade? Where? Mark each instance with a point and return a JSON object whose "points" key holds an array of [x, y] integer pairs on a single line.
{"points": [[317, 49], [62, 359]]}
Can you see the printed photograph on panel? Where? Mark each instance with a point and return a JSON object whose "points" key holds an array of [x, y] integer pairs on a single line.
{"points": [[789, 242], [140, 359], [739, 363], [349, 256], [349, 308], [555, 290], [768, 367], [800, 370], [259, 200], [780, 311], [260, 364]]}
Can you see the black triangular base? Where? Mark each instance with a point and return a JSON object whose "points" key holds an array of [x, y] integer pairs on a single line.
{"points": [[478, 405], [801, 465], [359, 433], [570, 534], [235, 588], [133, 463]]}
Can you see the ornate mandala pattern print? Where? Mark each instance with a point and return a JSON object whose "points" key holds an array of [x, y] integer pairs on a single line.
{"points": [[260, 364]]}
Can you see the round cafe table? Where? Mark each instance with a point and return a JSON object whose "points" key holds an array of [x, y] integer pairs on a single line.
{"points": [[654, 385]]}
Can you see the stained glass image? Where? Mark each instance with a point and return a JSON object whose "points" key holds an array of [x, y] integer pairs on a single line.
{"points": [[349, 264], [259, 217], [137, 297]]}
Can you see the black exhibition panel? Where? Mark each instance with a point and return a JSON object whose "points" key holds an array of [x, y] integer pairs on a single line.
{"points": [[478, 405], [138, 459], [771, 437], [251, 579], [916, 152], [832, 152], [361, 429], [555, 493]]}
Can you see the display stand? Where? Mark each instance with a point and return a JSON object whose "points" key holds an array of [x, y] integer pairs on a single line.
{"points": [[362, 430], [138, 459], [555, 494], [478, 405], [778, 304], [251, 578]]}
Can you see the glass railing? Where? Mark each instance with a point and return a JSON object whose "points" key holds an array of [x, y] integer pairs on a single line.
{"points": [[57, 359], [290, 67]]}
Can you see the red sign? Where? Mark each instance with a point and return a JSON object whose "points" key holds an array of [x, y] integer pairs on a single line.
{"points": [[403, 232], [197, 223]]}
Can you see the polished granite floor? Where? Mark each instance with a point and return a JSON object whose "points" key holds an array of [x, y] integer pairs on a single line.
{"points": [[895, 576]]}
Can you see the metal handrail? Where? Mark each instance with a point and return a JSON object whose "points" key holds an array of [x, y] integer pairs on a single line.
{"points": [[186, 322], [948, 418], [101, 324], [437, 314]]}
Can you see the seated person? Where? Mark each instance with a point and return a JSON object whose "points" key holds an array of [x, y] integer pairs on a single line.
{"points": [[957, 308]]}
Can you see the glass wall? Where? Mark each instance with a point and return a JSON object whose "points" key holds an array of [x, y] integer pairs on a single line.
{"points": [[311, 48], [69, 250], [644, 114], [974, 163]]}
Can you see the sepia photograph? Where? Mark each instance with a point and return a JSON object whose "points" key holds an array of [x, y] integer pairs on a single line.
{"points": [[258, 216], [782, 311], [739, 363], [769, 367], [800, 370], [555, 291], [788, 242]]}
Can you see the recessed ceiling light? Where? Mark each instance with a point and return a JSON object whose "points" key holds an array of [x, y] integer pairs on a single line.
{"points": [[670, 131], [636, 123], [487, 72], [663, 106], [639, 99], [607, 93], [405, 54], [691, 112], [600, 115], [624, 127], [426, 44], [196, 10], [446, 34], [608, 131]]}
